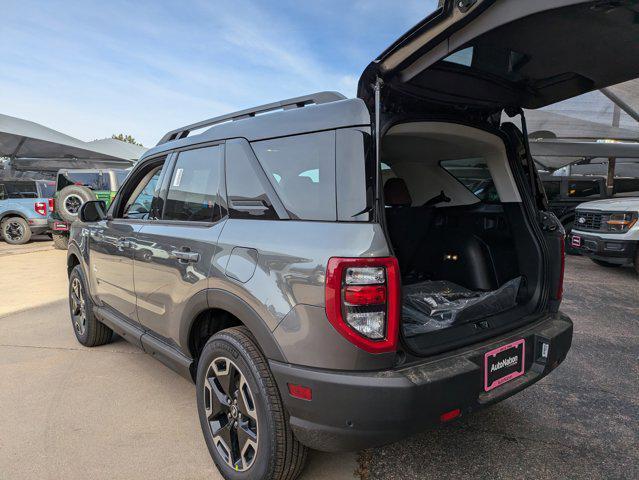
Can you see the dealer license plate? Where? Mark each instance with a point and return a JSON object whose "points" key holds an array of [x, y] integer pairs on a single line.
{"points": [[503, 364]]}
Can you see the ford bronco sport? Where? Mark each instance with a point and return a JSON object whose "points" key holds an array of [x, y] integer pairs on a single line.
{"points": [[24, 208], [320, 267]]}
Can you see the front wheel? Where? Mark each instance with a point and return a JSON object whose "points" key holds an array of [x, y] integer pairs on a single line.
{"points": [[89, 331], [15, 230], [241, 413]]}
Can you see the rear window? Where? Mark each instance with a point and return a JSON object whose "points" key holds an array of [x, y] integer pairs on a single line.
{"points": [[473, 173], [47, 189], [302, 171], [93, 180], [583, 189], [121, 176]]}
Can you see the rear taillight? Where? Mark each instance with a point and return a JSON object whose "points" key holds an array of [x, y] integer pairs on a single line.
{"points": [[363, 301], [51, 204], [40, 208], [560, 285]]}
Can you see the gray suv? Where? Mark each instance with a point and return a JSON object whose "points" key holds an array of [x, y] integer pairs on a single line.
{"points": [[330, 272]]}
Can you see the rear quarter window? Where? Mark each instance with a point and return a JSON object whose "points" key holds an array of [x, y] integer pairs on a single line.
{"points": [[302, 171], [474, 174]]}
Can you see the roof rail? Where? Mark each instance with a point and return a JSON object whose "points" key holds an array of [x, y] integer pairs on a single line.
{"points": [[297, 102]]}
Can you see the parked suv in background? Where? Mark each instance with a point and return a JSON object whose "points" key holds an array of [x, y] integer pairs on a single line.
{"points": [[24, 208], [320, 267], [607, 231], [73, 188]]}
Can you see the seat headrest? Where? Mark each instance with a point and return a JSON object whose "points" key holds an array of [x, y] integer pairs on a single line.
{"points": [[396, 193]]}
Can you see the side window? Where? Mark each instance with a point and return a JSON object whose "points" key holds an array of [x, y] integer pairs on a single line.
{"points": [[246, 194], [194, 188], [140, 202], [583, 188], [302, 171], [21, 190], [553, 190]]}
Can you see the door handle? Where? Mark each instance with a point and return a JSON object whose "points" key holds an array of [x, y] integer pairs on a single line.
{"points": [[184, 256]]}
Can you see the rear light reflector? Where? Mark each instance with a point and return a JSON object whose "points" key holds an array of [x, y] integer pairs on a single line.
{"points": [[448, 416], [40, 208], [51, 204], [560, 286], [300, 391], [362, 301]]}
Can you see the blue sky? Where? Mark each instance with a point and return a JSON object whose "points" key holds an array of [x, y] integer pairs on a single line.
{"points": [[90, 69]]}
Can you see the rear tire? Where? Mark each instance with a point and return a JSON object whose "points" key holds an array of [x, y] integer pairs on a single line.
{"points": [[15, 230], [61, 242], [603, 263], [231, 360], [89, 331]]}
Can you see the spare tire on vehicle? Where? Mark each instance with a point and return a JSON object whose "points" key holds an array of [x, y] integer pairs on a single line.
{"points": [[70, 199]]}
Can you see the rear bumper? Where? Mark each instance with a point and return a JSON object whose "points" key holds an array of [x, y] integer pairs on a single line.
{"points": [[56, 225], [38, 225], [608, 249], [356, 410]]}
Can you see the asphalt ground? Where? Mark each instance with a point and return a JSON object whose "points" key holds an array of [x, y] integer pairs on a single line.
{"points": [[581, 421], [113, 412]]}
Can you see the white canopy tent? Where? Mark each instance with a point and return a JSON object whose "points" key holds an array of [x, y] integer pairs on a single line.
{"points": [[29, 146]]}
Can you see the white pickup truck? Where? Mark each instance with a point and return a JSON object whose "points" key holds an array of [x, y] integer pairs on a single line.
{"points": [[607, 231]]}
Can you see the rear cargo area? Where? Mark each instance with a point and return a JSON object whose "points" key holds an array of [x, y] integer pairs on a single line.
{"points": [[468, 257]]}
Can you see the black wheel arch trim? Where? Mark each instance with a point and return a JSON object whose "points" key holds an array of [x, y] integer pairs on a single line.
{"points": [[236, 306], [13, 213]]}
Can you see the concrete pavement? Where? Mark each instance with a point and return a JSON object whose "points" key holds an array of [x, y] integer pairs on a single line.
{"points": [[110, 412], [113, 412]]}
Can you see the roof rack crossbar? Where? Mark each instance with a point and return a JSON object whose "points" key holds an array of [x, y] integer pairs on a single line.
{"points": [[297, 102]]}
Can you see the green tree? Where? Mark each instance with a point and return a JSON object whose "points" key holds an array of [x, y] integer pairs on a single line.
{"points": [[126, 138]]}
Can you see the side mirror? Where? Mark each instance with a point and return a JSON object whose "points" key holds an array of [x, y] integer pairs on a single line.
{"points": [[93, 211]]}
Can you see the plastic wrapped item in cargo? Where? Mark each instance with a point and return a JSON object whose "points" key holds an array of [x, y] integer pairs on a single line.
{"points": [[434, 305]]}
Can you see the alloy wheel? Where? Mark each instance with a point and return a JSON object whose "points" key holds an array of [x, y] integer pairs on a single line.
{"points": [[72, 204], [231, 414], [14, 231], [78, 309]]}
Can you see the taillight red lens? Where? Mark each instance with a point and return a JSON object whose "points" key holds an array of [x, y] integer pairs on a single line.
{"points": [[560, 286], [363, 301], [51, 204], [40, 208], [368, 295]]}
